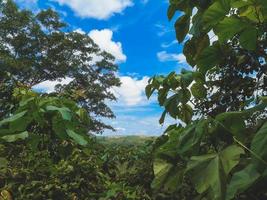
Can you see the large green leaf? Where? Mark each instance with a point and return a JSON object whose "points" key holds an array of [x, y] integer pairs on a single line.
{"points": [[171, 11], [13, 118], [59, 128], [210, 57], [182, 27], [15, 137], [190, 138], [194, 47], [79, 139], [168, 177], [169, 150], [64, 111], [248, 38], [259, 144], [234, 122], [229, 27], [215, 13], [209, 172], [241, 181]]}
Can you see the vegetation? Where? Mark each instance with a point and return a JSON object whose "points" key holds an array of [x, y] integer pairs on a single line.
{"points": [[216, 151], [38, 47]]}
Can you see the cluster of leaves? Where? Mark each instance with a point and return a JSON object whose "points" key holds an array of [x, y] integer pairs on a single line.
{"points": [[40, 119], [38, 47], [218, 149]]}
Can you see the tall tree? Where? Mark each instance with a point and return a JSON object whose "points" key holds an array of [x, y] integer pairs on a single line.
{"points": [[39, 47], [219, 152]]}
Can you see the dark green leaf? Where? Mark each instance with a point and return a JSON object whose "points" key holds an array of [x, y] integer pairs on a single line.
{"points": [[182, 27], [199, 91], [248, 38], [241, 181], [79, 139], [229, 27]]}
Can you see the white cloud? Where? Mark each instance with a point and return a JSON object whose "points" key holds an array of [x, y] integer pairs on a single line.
{"points": [[167, 45], [132, 91], [49, 86], [163, 56], [103, 38], [162, 29], [99, 9], [144, 1]]}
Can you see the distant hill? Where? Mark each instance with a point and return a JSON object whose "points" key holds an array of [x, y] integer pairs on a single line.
{"points": [[125, 140]]}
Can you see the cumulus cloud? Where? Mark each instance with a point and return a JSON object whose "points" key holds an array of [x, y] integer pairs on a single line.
{"points": [[49, 86], [98, 9], [132, 91], [103, 38], [163, 56]]}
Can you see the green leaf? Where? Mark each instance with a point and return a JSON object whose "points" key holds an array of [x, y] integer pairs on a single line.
{"points": [[215, 13], [241, 181], [194, 47], [21, 124], [162, 118], [167, 176], [183, 96], [199, 91], [229, 27], [185, 113], [190, 138], [59, 128], [171, 11], [64, 111], [240, 3], [79, 139], [15, 137], [233, 122], [259, 144], [210, 57], [186, 78], [182, 27], [248, 38], [33, 141], [13, 118], [209, 172], [149, 90]]}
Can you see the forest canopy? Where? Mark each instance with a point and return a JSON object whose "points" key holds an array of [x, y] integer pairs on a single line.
{"points": [[38, 47]]}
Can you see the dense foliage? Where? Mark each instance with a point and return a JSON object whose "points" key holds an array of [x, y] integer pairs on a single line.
{"points": [[72, 172], [39, 47], [218, 150]]}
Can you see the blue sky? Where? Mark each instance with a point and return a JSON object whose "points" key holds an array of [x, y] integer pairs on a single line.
{"points": [[139, 35]]}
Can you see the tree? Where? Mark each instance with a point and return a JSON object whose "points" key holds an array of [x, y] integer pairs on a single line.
{"points": [[39, 47], [219, 151]]}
